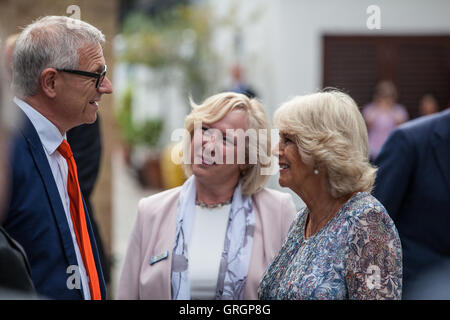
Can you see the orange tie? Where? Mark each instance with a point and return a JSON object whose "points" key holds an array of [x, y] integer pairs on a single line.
{"points": [[79, 221]]}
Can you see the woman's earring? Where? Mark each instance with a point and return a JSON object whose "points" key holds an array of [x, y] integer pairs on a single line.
{"points": [[316, 172]]}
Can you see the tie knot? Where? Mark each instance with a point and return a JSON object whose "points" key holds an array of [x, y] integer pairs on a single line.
{"points": [[64, 150]]}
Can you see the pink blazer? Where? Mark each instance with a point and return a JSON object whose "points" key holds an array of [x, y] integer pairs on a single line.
{"points": [[154, 233]]}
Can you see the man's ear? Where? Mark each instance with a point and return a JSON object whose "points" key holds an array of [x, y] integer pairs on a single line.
{"points": [[48, 82]]}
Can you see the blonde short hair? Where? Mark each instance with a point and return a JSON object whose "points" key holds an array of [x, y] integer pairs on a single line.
{"points": [[331, 134], [216, 108]]}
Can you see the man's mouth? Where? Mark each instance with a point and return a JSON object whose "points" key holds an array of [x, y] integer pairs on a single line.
{"points": [[94, 103], [283, 166]]}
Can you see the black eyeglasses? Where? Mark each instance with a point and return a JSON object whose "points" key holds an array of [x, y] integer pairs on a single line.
{"points": [[99, 76]]}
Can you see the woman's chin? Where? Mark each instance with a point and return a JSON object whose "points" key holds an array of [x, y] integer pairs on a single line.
{"points": [[282, 183]]}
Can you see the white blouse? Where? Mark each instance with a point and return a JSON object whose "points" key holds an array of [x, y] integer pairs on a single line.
{"points": [[205, 250]]}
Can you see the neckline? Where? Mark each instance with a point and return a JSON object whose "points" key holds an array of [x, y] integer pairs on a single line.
{"points": [[214, 209], [213, 206], [341, 209]]}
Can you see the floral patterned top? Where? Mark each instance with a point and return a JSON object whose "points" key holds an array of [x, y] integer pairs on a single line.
{"points": [[356, 255]]}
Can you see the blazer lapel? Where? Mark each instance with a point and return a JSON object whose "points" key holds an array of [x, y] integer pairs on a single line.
{"points": [[166, 243], [441, 145], [41, 162]]}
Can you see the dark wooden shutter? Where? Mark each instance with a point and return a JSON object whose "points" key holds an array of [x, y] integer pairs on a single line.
{"points": [[416, 64]]}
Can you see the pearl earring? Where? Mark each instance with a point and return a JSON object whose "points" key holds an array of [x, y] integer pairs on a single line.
{"points": [[316, 172]]}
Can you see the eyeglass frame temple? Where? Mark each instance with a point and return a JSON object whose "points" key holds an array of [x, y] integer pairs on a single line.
{"points": [[88, 74]]}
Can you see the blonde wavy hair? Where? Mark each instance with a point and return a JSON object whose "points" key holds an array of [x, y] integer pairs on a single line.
{"points": [[216, 108], [331, 135]]}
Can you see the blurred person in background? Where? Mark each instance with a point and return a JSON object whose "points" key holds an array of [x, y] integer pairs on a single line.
{"points": [[428, 105], [239, 85], [8, 61], [213, 237], [382, 116], [413, 183], [343, 245], [59, 76], [15, 272]]}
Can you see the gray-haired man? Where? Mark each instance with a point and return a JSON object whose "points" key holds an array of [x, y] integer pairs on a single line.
{"points": [[59, 76]]}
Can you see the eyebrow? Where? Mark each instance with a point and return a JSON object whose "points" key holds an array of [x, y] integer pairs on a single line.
{"points": [[223, 132], [99, 68], [287, 135]]}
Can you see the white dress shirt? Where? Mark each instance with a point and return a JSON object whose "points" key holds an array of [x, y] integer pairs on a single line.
{"points": [[51, 138], [205, 250]]}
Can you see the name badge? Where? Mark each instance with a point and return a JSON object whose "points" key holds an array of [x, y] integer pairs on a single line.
{"points": [[159, 257]]}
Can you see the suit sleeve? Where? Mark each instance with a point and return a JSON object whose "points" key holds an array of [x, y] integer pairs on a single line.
{"points": [[14, 268], [128, 287], [373, 265], [395, 164]]}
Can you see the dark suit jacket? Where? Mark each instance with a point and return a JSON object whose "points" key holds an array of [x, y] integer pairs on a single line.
{"points": [[36, 218], [15, 273], [413, 183], [86, 144]]}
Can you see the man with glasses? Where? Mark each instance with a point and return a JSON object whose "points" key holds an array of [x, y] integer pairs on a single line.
{"points": [[59, 77]]}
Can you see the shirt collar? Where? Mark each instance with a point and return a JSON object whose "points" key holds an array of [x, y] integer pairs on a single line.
{"points": [[49, 134]]}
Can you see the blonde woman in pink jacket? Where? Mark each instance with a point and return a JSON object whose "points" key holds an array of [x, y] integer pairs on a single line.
{"points": [[213, 237]]}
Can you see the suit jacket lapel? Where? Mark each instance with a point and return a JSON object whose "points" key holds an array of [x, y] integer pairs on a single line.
{"points": [[41, 162], [441, 145]]}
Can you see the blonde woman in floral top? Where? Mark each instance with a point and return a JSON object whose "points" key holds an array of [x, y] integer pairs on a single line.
{"points": [[343, 245]]}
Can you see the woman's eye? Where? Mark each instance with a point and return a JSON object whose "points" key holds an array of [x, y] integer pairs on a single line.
{"points": [[286, 139]]}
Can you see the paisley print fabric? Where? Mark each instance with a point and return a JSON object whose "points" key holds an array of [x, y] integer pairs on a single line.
{"points": [[357, 255]]}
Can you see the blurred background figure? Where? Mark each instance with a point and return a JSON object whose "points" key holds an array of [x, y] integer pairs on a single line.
{"points": [[15, 272], [428, 105], [9, 48], [433, 283], [413, 183], [239, 84], [382, 115]]}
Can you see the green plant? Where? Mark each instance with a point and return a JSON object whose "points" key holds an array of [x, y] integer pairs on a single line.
{"points": [[177, 38], [146, 133]]}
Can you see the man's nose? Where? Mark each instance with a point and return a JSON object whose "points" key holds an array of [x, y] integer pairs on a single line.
{"points": [[106, 86]]}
